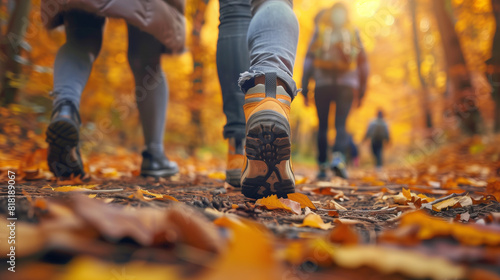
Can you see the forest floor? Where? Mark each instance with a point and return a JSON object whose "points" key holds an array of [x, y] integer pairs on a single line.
{"points": [[439, 219]]}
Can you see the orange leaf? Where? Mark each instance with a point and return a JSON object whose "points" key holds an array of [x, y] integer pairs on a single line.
{"points": [[314, 220], [140, 195], [407, 194], [302, 199], [425, 227], [343, 234], [76, 188], [272, 202]]}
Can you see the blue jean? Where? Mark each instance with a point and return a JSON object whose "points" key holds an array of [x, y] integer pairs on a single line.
{"points": [[255, 37]]}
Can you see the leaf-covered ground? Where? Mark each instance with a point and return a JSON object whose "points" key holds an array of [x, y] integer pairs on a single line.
{"points": [[439, 219]]}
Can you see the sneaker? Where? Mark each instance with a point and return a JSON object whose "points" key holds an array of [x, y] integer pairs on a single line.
{"points": [[62, 135], [157, 165], [338, 165], [267, 169], [322, 176], [235, 161]]}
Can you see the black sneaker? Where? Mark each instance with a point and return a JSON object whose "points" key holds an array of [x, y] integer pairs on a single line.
{"points": [[63, 155], [322, 176], [157, 165]]}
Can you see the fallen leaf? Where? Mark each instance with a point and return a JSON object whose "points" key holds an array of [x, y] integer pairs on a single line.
{"points": [[249, 254], [139, 194], [333, 205], [302, 199], [272, 202], [343, 234], [314, 220], [82, 268], [73, 188], [385, 260], [493, 188], [462, 201], [424, 227], [299, 180], [217, 176]]}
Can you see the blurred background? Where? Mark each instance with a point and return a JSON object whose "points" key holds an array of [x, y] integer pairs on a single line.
{"points": [[414, 48]]}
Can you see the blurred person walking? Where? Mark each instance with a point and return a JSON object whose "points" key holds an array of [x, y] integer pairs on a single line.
{"points": [[336, 60], [378, 134], [154, 27], [258, 42]]}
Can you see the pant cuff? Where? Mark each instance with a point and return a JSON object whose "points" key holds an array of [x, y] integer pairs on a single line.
{"points": [[247, 79]]}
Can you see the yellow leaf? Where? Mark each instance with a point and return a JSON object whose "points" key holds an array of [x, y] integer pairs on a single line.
{"points": [[92, 195], [450, 202], [300, 180], [314, 220], [302, 199], [82, 268], [217, 176], [468, 234], [385, 260], [272, 202], [248, 260], [140, 195], [76, 188], [407, 194]]}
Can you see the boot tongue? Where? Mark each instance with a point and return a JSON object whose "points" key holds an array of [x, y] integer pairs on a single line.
{"points": [[260, 88]]}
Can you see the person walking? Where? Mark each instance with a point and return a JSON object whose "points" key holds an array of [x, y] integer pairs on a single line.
{"points": [[337, 61], [154, 27], [258, 41], [378, 134]]}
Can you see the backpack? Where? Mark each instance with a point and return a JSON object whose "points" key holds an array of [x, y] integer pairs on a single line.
{"points": [[335, 50]]}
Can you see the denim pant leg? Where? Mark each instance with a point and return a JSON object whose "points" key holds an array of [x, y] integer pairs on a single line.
{"points": [[343, 99], [232, 59], [272, 41]]}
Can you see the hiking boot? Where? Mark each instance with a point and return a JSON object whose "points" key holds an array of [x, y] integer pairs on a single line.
{"points": [[338, 165], [235, 161], [157, 165], [62, 135], [268, 168], [322, 176]]}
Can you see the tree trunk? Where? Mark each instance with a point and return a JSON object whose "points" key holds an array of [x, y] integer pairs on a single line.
{"points": [[463, 100], [10, 47], [198, 55], [425, 89], [493, 65]]}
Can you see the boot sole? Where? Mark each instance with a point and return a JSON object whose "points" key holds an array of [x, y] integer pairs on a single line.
{"points": [[342, 173], [159, 173], [268, 147], [62, 157]]}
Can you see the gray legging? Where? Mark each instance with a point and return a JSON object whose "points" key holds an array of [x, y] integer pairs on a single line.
{"points": [[74, 62]]}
